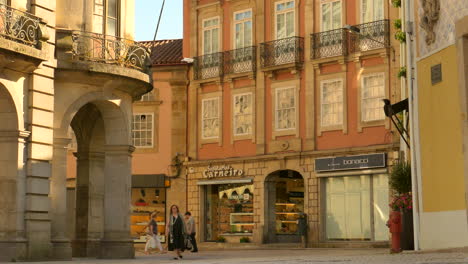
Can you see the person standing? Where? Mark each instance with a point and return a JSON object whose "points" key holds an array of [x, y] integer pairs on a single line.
{"points": [[152, 240], [302, 228], [176, 230], [191, 231]]}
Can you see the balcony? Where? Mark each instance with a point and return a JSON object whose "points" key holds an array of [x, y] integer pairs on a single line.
{"points": [[282, 52], [93, 47], [373, 35], [243, 60], [208, 66], [329, 44]]}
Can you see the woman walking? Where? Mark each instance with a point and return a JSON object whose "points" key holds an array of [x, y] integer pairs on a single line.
{"points": [[152, 240], [176, 230]]}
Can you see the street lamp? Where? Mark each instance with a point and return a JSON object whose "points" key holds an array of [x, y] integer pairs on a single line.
{"points": [[357, 31]]}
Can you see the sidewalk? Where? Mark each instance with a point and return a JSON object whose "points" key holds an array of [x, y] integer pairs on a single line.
{"points": [[297, 256]]}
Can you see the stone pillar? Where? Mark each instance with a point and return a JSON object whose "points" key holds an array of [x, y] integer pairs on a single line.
{"points": [[89, 204], [61, 247], [117, 242], [12, 191], [270, 204]]}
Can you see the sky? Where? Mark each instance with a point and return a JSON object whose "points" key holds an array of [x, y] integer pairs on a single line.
{"points": [[146, 18]]}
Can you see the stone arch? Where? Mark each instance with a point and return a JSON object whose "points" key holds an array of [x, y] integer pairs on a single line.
{"points": [[101, 126], [12, 182], [274, 183]]}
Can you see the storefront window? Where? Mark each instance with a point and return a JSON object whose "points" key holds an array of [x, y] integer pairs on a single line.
{"points": [[289, 204], [144, 202], [229, 210], [353, 203]]}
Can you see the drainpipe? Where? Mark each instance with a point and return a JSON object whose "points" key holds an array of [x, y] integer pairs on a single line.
{"points": [[413, 115]]}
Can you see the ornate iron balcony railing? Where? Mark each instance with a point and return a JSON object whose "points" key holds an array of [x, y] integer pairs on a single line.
{"points": [[100, 48], [329, 44], [20, 26], [208, 66], [373, 35], [282, 51], [240, 60]]}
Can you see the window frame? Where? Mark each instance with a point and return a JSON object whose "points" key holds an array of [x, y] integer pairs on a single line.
{"points": [[210, 28], [242, 22], [234, 114], [219, 117], [361, 11], [363, 77], [105, 17], [276, 13], [322, 82], [330, 2], [294, 88], [152, 129]]}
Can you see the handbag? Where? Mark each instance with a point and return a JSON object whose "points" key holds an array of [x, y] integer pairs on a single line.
{"points": [[151, 240], [188, 243]]}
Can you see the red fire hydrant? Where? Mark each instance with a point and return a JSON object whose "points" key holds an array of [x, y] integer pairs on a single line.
{"points": [[394, 223]]}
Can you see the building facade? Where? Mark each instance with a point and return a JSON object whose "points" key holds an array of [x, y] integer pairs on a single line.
{"points": [[285, 118], [438, 52], [71, 70]]}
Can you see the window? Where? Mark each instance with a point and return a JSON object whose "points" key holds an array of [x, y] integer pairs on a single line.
{"points": [[142, 131], [285, 108], [372, 94], [210, 118], [332, 102], [243, 29], [242, 114], [372, 10], [285, 22], [105, 18], [228, 210], [331, 15], [354, 204], [211, 35], [148, 97]]}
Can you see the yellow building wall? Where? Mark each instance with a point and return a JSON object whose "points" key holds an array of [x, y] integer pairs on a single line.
{"points": [[443, 186]]}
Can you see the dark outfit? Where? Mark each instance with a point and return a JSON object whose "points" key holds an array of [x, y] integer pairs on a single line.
{"points": [[176, 237], [155, 226], [193, 241]]}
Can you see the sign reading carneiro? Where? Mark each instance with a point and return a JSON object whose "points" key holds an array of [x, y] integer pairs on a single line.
{"points": [[222, 171], [358, 162]]}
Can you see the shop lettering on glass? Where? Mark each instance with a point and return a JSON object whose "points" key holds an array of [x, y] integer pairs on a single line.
{"points": [[222, 171]]}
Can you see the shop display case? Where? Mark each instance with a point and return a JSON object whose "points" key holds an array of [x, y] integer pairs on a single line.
{"points": [[144, 202], [287, 214]]}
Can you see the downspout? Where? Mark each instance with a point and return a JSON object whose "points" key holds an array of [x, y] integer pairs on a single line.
{"points": [[413, 108]]}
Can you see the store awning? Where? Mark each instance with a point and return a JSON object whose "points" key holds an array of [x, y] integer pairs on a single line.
{"points": [[226, 181], [148, 181]]}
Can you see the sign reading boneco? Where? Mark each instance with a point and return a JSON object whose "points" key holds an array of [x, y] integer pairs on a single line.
{"points": [[222, 171]]}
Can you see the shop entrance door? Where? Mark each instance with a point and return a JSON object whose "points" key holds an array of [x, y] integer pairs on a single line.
{"points": [[284, 200]]}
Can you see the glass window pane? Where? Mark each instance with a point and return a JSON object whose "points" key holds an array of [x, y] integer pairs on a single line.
{"points": [[215, 37], [290, 24], [112, 8], [111, 27], [326, 17], [97, 24], [336, 6], [280, 26], [248, 34]]}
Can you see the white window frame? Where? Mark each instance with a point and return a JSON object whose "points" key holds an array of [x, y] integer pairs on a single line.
{"points": [[322, 102], [382, 74], [211, 28], [277, 90], [242, 22], [284, 12], [148, 97], [331, 14], [234, 114], [218, 100], [152, 129], [373, 11]]}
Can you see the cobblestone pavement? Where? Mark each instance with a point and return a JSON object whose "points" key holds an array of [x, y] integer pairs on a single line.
{"points": [[292, 256]]}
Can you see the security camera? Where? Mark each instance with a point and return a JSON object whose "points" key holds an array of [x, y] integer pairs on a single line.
{"points": [[188, 60]]}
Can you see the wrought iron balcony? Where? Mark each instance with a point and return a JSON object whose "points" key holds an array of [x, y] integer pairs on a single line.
{"points": [[87, 46], [208, 66], [373, 35], [240, 60], [329, 44], [20, 26], [282, 51]]}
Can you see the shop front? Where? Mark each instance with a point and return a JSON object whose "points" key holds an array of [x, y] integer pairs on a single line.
{"points": [[148, 196], [355, 198]]}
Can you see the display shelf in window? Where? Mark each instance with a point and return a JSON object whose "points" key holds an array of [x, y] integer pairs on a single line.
{"points": [[241, 219]]}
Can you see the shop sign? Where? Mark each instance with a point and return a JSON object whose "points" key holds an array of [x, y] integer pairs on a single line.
{"points": [[351, 162], [222, 171]]}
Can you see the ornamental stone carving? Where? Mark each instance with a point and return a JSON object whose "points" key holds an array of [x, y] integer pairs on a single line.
{"points": [[429, 18]]}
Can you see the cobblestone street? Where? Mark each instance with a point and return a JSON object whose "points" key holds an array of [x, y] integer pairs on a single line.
{"points": [[295, 256]]}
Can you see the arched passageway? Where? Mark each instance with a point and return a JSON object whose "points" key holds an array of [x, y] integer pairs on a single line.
{"points": [[284, 202], [100, 222]]}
